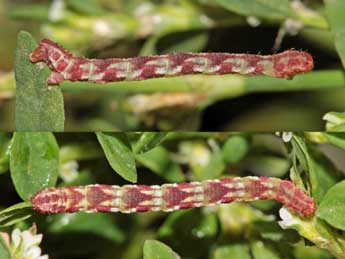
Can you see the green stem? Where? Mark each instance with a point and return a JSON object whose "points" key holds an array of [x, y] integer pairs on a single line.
{"points": [[317, 231], [215, 87]]}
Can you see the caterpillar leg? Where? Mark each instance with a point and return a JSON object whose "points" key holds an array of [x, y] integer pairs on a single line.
{"points": [[55, 78]]}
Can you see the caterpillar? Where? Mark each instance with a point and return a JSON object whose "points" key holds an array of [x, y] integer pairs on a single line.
{"points": [[170, 197], [65, 66]]}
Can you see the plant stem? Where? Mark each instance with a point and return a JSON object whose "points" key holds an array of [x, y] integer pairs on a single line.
{"points": [[215, 87]]}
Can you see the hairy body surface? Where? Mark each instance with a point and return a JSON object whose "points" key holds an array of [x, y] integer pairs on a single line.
{"points": [[65, 66], [169, 197]]}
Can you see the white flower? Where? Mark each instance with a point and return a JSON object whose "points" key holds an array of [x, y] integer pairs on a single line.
{"points": [[288, 220], [25, 245]]}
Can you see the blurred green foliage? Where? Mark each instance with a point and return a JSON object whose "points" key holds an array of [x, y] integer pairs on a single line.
{"points": [[313, 160], [103, 28]]}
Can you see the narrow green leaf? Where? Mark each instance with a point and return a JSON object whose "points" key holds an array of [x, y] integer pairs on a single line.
{"points": [[159, 161], [117, 150], [154, 249], [336, 18], [319, 173], [16, 218], [147, 141], [332, 207], [102, 225], [234, 149], [16, 207], [34, 162], [301, 151], [15, 214], [270, 9], [38, 107], [4, 252], [232, 251]]}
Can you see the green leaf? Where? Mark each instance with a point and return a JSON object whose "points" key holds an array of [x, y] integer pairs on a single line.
{"points": [[16, 207], [234, 149], [15, 214], [317, 170], [159, 161], [147, 141], [34, 162], [102, 225], [271, 9], [260, 250], [336, 18], [301, 152], [332, 207], [4, 252], [38, 107], [324, 177], [154, 249], [335, 121], [325, 232], [117, 150], [232, 251]]}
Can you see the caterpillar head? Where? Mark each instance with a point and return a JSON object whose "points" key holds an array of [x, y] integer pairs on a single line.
{"points": [[41, 52], [292, 62], [48, 52]]}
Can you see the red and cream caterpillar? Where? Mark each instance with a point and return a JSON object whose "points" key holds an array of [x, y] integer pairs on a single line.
{"points": [[65, 66], [170, 197]]}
